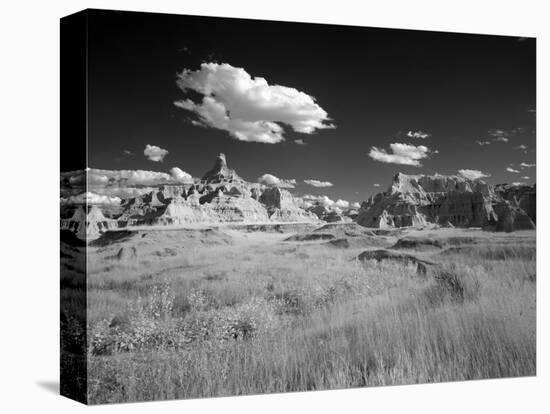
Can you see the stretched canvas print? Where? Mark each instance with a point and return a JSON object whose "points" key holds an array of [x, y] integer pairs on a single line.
{"points": [[255, 207]]}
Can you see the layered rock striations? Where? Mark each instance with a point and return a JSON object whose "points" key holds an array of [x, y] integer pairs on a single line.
{"points": [[418, 200], [221, 196], [522, 196]]}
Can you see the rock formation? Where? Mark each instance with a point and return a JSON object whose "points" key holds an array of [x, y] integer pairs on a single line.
{"points": [[221, 196], [220, 172], [88, 225], [418, 200], [522, 196]]}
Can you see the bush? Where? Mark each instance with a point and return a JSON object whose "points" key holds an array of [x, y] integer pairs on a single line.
{"points": [[455, 282]]}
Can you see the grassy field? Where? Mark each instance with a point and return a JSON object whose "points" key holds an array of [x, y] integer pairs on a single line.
{"points": [[186, 315]]}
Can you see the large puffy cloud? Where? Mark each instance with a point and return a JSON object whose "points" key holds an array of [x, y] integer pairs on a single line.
{"points": [[154, 153], [405, 154], [317, 183], [248, 108], [269, 179], [472, 174], [418, 134]]}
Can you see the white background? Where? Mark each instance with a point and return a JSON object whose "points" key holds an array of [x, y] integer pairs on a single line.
{"points": [[29, 160]]}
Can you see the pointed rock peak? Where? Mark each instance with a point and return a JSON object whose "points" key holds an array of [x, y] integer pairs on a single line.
{"points": [[220, 171]]}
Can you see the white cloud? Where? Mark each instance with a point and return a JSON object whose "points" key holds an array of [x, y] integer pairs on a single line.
{"points": [[517, 183], [376, 185], [498, 133], [525, 178], [122, 192], [525, 165], [154, 153], [343, 204], [127, 152], [405, 154], [317, 183], [269, 179], [355, 205], [98, 178], [299, 141], [249, 108], [501, 139], [472, 174], [482, 143], [521, 147], [509, 169], [91, 198], [180, 175], [418, 134], [128, 177], [322, 200]]}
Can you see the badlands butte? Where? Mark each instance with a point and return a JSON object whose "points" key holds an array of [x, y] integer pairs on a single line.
{"points": [[222, 198]]}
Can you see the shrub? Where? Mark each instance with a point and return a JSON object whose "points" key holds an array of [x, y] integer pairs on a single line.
{"points": [[456, 282]]}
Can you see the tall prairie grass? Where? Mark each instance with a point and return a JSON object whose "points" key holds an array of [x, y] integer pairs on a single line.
{"points": [[233, 321]]}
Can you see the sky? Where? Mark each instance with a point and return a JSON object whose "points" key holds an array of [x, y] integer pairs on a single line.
{"points": [[343, 108]]}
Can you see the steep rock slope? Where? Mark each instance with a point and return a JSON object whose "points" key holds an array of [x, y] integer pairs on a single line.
{"points": [[416, 200]]}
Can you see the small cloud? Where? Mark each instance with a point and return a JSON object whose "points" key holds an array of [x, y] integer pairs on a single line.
{"points": [[517, 184], [511, 170], [482, 143], [317, 183], [418, 134], [299, 142], [525, 165], [154, 153], [180, 175], [271, 180], [472, 174], [376, 185], [525, 178], [355, 205], [521, 147], [322, 200], [404, 154], [343, 204], [127, 152], [499, 135], [532, 111]]}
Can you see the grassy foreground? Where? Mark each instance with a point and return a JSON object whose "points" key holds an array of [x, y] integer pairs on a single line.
{"points": [[274, 317]]}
